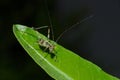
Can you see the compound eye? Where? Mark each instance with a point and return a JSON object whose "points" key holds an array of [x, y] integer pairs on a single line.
{"points": [[40, 39]]}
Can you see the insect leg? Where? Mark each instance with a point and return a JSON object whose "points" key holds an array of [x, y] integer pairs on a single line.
{"points": [[48, 33], [40, 27]]}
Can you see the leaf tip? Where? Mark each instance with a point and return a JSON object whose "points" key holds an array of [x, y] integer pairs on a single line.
{"points": [[19, 27]]}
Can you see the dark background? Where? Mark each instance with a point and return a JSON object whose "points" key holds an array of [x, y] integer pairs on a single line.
{"points": [[96, 39]]}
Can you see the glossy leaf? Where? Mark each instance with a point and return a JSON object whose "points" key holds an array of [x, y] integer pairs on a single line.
{"points": [[61, 63]]}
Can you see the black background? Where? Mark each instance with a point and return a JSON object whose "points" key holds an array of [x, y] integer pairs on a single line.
{"points": [[96, 39]]}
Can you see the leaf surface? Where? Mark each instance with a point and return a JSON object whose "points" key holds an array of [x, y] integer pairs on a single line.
{"points": [[61, 64]]}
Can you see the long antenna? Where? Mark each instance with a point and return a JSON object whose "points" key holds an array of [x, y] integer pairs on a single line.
{"points": [[50, 29], [73, 26]]}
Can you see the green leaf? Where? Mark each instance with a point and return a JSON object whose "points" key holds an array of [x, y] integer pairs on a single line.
{"points": [[59, 63]]}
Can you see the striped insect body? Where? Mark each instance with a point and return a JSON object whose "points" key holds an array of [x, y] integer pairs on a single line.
{"points": [[47, 45]]}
